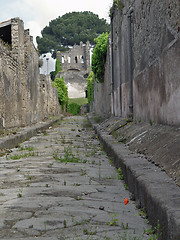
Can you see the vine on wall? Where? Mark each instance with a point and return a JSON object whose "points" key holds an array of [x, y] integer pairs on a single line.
{"points": [[99, 57], [116, 4], [90, 87]]}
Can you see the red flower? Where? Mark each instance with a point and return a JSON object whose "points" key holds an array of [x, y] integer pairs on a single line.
{"points": [[126, 201]]}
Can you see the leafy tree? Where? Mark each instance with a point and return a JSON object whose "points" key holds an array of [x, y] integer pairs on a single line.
{"points": [[70, 29], [62, 91], [99, 56]]}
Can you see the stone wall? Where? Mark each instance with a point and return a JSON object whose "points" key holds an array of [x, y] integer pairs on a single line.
{"points": [[155, 59], [75, 69], [78, 58], [22, 93], [155, 46]]}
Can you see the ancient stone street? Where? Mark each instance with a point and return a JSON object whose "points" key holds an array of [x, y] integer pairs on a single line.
{"points": [[60, 184]]}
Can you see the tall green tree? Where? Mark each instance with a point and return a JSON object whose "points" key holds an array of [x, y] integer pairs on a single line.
{"points": [[70, 29]]}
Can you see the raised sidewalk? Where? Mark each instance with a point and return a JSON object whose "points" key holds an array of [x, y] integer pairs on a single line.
{"points": [[152, 189], [25, 133]]}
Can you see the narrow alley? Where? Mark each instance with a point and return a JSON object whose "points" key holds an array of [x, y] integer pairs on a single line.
{"points": [[60, 184]]}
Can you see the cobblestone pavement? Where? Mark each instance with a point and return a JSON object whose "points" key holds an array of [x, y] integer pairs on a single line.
{"points": [[60, 184]]}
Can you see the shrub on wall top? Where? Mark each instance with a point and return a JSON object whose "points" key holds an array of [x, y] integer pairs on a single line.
{"points": [[99, 57]]}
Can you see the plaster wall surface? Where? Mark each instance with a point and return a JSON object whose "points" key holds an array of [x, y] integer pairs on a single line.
{"points": [[155, 46]]}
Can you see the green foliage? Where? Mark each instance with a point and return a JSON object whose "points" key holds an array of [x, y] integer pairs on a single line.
{"points": [[118, 4], [62, 91], [69, 29], [68, 156], [74, 108], [74, 105], [90, 87], [58, 67], [99, 57], [79, 101], [120, 174]]}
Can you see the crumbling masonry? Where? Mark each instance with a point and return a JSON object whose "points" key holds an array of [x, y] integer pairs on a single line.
{"points": [[75, 68], [25, 96]]}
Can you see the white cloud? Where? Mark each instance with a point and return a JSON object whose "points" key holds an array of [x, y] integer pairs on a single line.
{"points": [[36, 14]]}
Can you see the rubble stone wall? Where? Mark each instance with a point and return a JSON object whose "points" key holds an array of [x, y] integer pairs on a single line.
{"points": [[24, 97]]}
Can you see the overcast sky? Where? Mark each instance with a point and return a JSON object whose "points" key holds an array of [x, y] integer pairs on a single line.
{"points": [[36, 14]]}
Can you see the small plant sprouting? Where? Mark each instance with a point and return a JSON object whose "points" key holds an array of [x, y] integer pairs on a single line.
{"points": [[63, 141], [26, 148], [90, 233], [120, 174], [65, 224], [114, 221], [150, 122], [143, 213], [20, 193], [125, 227], [78, 198], [29, 177], [68, 156], [18, 156], [83, 172]]}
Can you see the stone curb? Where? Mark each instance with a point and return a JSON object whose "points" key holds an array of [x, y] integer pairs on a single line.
{"points": [[151, 188], [13, 140]]}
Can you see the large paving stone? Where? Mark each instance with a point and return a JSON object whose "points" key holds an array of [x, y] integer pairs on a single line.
{"points": [[44, 198]]}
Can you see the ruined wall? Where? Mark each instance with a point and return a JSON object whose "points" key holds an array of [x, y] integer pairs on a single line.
{"points": [[21, 91], [155, 57], [75, 69], [78, 57]]}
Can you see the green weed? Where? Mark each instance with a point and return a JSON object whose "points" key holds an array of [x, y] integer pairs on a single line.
{"points": [[120, 174], [150, 122], [26, 148], [19, 156], [68, 156], [114, 221], [125, 227]]}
